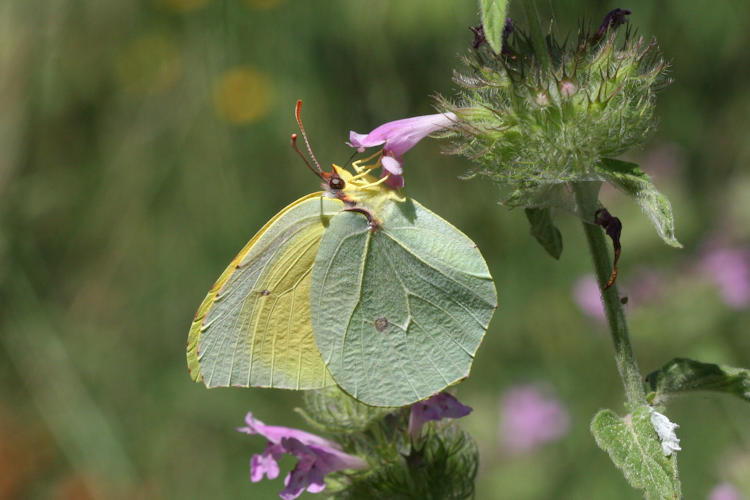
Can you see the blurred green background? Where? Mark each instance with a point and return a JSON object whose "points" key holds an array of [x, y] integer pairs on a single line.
{"points": [[143, 142]]}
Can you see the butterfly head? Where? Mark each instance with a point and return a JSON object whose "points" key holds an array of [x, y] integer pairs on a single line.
{"points": [[360, 188], [333, 184]]}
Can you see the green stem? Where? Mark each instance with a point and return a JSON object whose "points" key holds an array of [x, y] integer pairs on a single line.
{"points": [[537, 35], [586, 198]]}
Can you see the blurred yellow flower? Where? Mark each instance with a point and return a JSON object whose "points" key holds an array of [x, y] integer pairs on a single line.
{"points": [[182, 5], [149, 64], [262, 4], [242, 95]]}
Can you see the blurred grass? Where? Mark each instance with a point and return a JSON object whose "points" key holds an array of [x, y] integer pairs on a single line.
{"points": [[143, 142]]}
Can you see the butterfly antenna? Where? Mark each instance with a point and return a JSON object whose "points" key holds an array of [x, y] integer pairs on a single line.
{"points": [[296, 149], [298, 114], [350, 159]]}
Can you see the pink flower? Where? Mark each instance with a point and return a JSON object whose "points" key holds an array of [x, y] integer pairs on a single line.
{"points": [[397, 138], [729, 268], [438, 407], [567, 88], [724, 491], [530, 419], [588, 297], [643, 286], [317, 457]]}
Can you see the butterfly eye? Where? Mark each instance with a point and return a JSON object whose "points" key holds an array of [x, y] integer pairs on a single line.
{"points": [[336, 183]]}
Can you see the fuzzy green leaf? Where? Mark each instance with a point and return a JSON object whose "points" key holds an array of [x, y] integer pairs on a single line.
{"points": [[629, 178], [493, 21], [544, 230], [682, 375], [634, 447]]}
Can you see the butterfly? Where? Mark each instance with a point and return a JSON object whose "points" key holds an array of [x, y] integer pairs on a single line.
{"points": [[356, 286]]}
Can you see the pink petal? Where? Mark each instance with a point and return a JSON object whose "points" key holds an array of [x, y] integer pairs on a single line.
{"points": [[394, 181], [362, 141], [397, 138], [588, 297], [400, 136], [264, 464], [329, 460], [530, 419], [317, 457], [392, 165], [724, 491], [276, 433], [326, 458], [294, 482], [316, 480], [729, 268], [404, 134], [439, 406]]}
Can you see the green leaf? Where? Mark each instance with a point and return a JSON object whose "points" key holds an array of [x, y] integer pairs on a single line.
{"points": [[544, 230], [629, 178], [398, 311], [493, 21], [634, 447], [683, 375]]}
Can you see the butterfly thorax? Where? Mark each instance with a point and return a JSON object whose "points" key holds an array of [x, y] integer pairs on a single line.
{"points": [[364, 190]]}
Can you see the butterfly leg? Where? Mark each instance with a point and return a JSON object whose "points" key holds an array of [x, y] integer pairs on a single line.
{"points": [[372, 222]]}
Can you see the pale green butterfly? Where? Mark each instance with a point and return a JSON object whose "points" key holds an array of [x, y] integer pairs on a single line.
{"points": [[356, 286]]}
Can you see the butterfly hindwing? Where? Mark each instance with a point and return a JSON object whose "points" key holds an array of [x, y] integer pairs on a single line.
{"points": [[399, 312], [253, 328]]}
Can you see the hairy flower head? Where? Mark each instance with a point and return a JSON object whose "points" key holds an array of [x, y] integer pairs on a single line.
{"points": [[531, 125]]}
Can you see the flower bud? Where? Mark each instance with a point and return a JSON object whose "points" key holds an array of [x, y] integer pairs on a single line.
{"points": [[567, 88]]}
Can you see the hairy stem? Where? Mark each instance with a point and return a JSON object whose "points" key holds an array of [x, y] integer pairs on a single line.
{"points": [[586, 198]]}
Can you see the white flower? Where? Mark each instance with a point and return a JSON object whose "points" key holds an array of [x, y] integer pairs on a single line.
{"points": [[665, 430]]}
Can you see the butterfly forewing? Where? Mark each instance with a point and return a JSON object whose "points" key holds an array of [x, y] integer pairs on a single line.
{"points": [[253, 329]]}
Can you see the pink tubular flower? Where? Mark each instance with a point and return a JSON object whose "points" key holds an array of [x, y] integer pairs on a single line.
{"points": [[643, 286], [729, 268], [724, 491], [529, 419], [438, 407], [588, 297], [397, 138], [317, 457]]}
